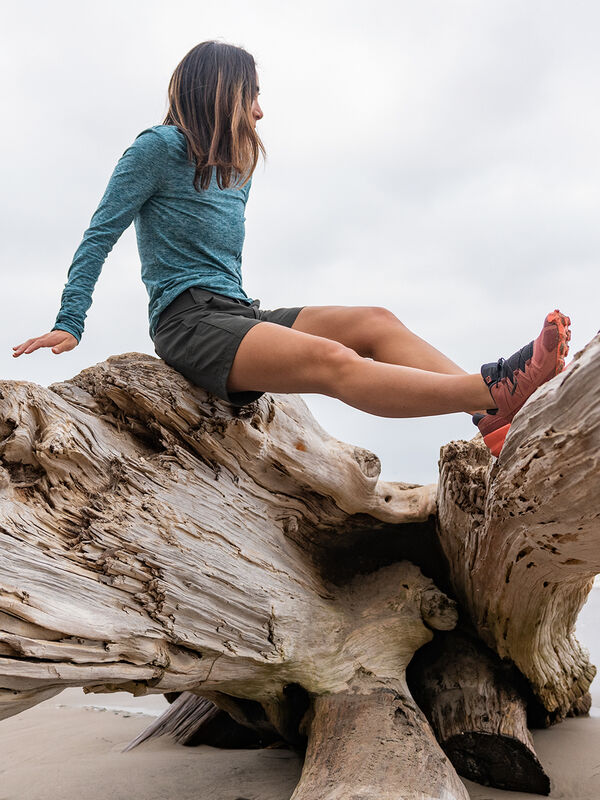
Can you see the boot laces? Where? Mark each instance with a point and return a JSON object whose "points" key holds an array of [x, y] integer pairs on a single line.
{"points": [[508, 367], [505, 370]]}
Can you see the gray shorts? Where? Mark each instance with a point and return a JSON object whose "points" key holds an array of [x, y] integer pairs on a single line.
{"points": [[198, 334]]}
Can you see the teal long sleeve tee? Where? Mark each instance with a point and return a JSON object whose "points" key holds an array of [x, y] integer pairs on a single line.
{"points": [[185, 237]]}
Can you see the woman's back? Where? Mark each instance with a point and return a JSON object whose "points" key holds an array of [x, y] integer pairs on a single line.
{"points": [[186, 237]]}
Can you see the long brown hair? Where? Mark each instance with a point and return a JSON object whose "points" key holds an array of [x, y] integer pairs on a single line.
{"points": [[210, 100]]}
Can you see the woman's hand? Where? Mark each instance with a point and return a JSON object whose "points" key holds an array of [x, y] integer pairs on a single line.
{"points": [[59, 341]]}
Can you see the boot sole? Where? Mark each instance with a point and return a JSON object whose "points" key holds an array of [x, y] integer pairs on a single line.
{"points": [[562, 323], [495, 440]]}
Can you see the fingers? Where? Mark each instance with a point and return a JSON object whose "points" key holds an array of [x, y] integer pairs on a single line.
{"points": [[34, 345], [21, 348], [59, 341]]}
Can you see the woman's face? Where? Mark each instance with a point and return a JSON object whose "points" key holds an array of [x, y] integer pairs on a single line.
{"points": [[256, 109]]}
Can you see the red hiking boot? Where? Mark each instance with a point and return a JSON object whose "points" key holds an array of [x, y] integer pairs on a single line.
{"points": [[512, 382]]}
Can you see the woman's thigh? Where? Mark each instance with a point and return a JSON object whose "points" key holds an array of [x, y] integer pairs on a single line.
{"points": [[274, 358], [357, 327]]}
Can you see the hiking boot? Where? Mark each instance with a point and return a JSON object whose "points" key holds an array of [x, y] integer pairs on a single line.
{"points": [[512, 381]]}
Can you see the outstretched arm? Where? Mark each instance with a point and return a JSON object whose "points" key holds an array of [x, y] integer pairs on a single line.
{"points": [[136, 177]]}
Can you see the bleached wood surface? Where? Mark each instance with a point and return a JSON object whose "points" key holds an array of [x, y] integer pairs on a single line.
{"points": [[522, 534], [153, 542], [153, 539]]}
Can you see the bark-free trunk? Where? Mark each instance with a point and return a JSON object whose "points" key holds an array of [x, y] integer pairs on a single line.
{"points": [[154, 542], [476, 706], [522, 534], [154, 539]]}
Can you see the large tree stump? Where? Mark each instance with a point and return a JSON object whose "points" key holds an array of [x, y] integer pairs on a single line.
{"points": [[154, 539]]}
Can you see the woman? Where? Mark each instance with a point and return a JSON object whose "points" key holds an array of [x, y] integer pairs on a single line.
{"points": [[185, 183]]}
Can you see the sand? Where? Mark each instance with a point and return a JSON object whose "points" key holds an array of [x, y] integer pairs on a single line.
{"points": [[60, 749], [71, 746]]}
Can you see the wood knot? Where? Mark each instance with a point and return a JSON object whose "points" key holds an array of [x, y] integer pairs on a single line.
{"points": [[368, 462], [290, 525], [438, 611]]}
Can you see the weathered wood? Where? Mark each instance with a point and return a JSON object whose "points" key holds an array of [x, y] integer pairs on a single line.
{"points": [[157, 540], [581, 707], [154, 542], [372, 742], [193, 720], [522, 534], [478, 712], [126, 482]]}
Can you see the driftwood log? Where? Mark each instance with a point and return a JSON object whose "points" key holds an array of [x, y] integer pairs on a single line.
{"points": [[258, 572], [522, 535]]}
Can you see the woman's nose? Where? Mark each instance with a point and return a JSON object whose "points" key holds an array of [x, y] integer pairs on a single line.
{"points": [[257, 110]]}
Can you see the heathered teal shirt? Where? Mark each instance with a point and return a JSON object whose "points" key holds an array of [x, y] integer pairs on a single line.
{"points": [[185, 237]]}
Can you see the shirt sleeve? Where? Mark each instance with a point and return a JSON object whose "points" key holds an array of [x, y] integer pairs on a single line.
{"points": [[136, 177]]}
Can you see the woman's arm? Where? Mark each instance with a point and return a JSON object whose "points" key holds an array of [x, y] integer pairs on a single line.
{"points": [[136, 177]]}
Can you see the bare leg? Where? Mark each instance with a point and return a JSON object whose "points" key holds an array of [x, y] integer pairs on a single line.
{"points": [[274, 358], [376, 333]]}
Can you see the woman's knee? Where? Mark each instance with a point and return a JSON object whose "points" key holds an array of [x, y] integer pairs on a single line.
{"points": [[376, 323], [377, 316], [331, 362]]}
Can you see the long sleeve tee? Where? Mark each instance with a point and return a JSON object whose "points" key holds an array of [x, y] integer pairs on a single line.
{"points": [[185, 237]]}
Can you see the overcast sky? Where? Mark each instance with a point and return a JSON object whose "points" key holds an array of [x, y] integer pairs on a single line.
{"points": [[437, 158]]}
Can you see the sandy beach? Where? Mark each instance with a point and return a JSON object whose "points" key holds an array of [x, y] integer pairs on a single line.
{"points": [[71, 746]]}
